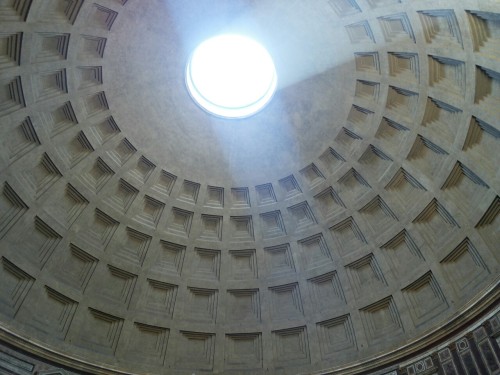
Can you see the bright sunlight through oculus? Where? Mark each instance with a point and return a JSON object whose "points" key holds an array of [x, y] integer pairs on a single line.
{"points": [[231, 76]]}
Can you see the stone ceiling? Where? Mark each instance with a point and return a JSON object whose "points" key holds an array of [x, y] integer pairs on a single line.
{"points": [[337, 229]]}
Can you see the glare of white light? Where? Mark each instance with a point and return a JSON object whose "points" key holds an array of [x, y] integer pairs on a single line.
{"points": [[231, 76]]}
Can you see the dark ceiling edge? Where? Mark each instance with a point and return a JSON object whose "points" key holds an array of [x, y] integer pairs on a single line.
{"points": [[485, 303]]}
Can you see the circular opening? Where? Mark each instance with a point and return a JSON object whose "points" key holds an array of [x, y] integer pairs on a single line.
{"points": [[231, 76]]}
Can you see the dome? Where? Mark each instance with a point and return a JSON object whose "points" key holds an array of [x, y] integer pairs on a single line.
{"points": [[349, 226]]}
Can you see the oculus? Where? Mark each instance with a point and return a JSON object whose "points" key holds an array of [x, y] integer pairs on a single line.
{"points": [[231, 76]]}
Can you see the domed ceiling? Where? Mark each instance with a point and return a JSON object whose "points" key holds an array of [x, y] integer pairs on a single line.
{"points": [[347, 224]]}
